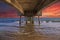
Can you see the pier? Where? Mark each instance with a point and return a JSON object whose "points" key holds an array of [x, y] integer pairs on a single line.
{"points": [[28, 9]]}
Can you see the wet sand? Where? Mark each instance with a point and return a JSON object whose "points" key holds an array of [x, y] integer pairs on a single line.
{"points": [[27, 34], [13, 36]]}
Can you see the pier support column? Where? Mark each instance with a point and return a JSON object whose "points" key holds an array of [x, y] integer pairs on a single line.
{"points": [[39, 20], [20, 21], [29, 26]]}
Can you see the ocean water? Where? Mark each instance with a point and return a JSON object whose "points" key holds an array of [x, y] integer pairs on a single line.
{"points": [[12, 25], [50, 28], [48, 19], [9, 20]]}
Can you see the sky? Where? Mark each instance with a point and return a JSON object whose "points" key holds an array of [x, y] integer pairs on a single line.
{"points": [[52, 11], [7, 11]]}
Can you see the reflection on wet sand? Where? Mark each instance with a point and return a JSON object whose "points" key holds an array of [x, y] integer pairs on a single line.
{"points": [[29, 32]]}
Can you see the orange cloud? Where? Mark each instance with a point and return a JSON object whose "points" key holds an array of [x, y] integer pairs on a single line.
{"points": [[52, 10]]}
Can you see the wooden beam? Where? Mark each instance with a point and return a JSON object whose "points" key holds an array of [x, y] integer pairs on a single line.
{"points": [[14, 4], [43, 4], [50, 4]]}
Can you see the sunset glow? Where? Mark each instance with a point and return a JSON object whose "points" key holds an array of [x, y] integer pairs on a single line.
{"points": [[52, 11], [7, 11]]}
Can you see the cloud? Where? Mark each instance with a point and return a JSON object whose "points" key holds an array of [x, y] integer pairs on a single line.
{"points": [[52, 10]]}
